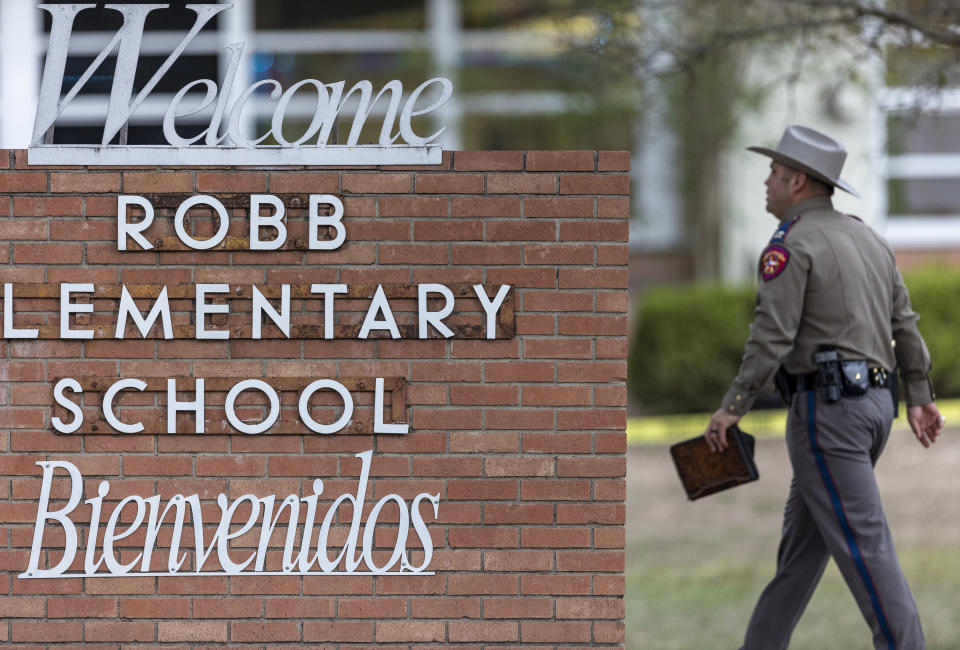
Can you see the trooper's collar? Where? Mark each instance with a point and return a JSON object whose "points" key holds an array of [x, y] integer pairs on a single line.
{"points": [[813, 203]]}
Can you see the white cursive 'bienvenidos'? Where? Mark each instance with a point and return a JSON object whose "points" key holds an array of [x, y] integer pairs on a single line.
{"points": [[304, 548]]}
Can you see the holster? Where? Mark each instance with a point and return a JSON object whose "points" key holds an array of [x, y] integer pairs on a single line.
{"points": [[829, 377]]}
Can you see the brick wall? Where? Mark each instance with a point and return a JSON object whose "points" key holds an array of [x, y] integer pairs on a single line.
{"points": [[522, 437]]}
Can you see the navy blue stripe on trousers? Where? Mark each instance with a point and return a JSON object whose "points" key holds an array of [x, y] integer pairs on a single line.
{"points": [[842, 518]]}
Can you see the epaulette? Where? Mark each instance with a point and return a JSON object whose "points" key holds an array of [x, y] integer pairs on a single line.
{"points": [[781, 234]]}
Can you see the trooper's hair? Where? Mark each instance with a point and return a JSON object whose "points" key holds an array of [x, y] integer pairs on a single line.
{"points": [[821, 188]]}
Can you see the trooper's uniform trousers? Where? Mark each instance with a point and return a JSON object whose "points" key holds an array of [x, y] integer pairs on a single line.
{"points": [[834, 511]]}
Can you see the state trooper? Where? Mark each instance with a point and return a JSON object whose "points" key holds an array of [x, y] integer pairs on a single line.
{"points": [[832, 325]]}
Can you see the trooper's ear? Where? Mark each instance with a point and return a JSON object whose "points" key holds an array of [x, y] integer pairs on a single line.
{"points": [[797, 181]]}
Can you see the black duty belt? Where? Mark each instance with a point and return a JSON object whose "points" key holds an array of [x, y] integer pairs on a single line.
{"points": [[878, 377]]}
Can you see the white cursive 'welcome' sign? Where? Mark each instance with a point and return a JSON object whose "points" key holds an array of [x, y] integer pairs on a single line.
{"points": [[224, 142]]}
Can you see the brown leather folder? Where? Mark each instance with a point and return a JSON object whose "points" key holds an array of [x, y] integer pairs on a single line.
{"points": [[704, 472]]}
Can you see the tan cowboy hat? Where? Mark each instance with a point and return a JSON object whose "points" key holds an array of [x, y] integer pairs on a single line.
{"points": [[811, 152]]}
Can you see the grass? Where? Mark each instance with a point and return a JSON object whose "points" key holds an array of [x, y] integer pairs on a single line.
{"points": [[694, 570]]}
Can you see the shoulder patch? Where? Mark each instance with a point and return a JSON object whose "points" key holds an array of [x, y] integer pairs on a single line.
{"points": [[773, 261]]}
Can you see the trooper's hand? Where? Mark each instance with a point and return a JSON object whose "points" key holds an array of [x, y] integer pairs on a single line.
{"points": [[926, 422], [716, 433]]}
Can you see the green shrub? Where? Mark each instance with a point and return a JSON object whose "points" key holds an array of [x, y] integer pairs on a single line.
{"points": [[687, 346], [688, 341], [935, 294]]}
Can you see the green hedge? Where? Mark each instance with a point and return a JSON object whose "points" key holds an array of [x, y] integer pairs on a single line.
{"points": [[688, 341]]}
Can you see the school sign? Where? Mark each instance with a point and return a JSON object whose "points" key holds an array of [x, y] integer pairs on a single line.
{"points": [[376, 403]]}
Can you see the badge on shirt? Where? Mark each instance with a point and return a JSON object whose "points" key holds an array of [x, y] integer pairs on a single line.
{"points": [[773, 261]]}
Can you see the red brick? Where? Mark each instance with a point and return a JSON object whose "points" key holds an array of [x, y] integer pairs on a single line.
{"points": [[414, 207], [518, 607], [594, 184], [47, 253], [488, 160], [519, 419], [592, 467], [485, 537], [448, 466], [13, 182], [614, 255], [263, 632], [155, 608], [472, 395], [38, 631], [609, 585], [460, 230], [377, 183], [232, 181], [85, 607], [590, 561], [556, 395], [518, 513], [11, 607], [482, 490], [405, 631], [127, 631], [304, 182], [125, 585], [482, 583], [485, 206], [449, 183], [610, 490], [555, 584], [485, 349], [554, 490], [521, 184], [567, 207], [612, 301], [554, 632], [483, 631], [592, 419], [192, 631], [609, 207], [333, 631], [445, 607], [413, 254], [561, 161], [230, 466], [612, 537], [593, 278], [613, 161], [557, 254], [84, 182], [593, 371], [482, 254], [82, 230], [556, 348], [521, 231], [518, 561], [590, 513], [537, 278], [519, 371], [506, 466], [608, 632], [296, 607], [602, 231], [483, 442], [148, 182]]}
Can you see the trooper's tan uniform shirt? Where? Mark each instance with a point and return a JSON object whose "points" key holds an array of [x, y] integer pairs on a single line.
{"points": [[828, 279]]}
